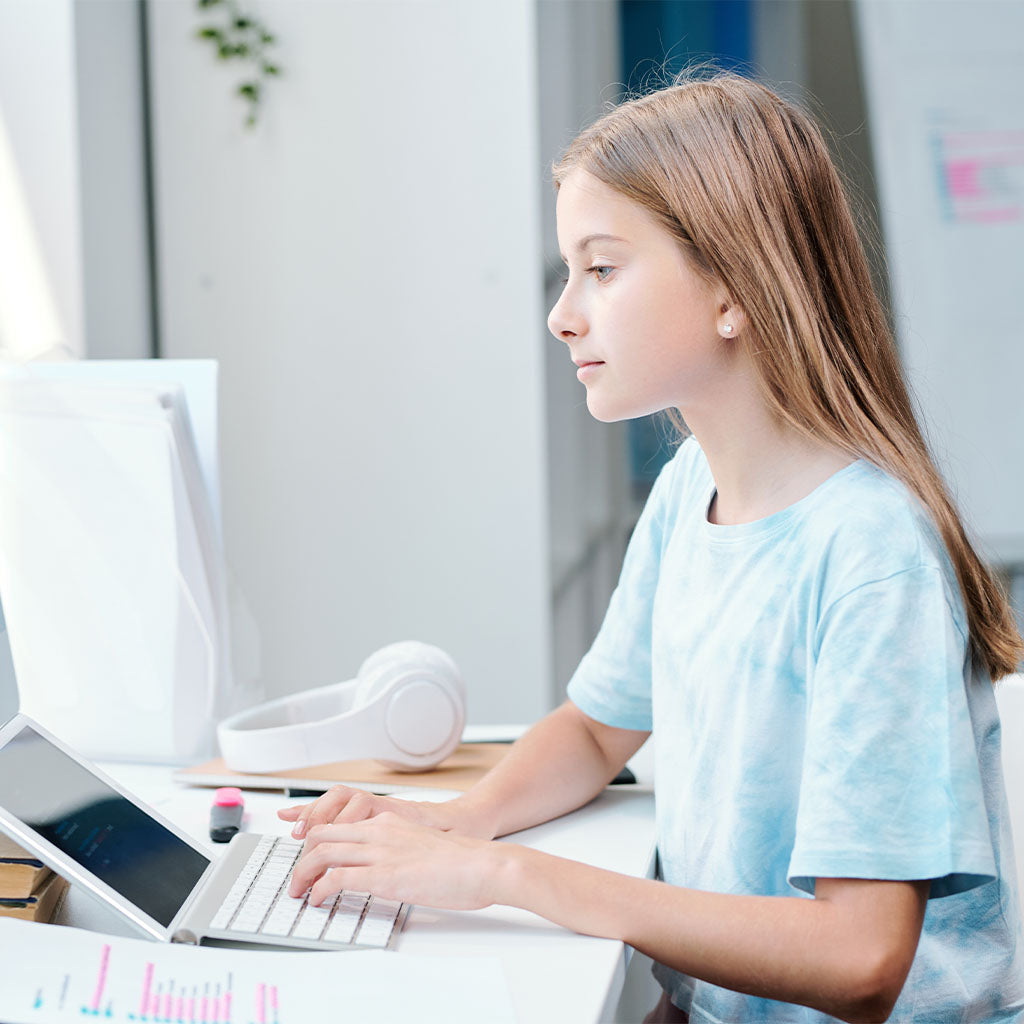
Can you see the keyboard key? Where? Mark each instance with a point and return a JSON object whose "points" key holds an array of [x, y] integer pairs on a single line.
{"points": [[283, 916], [375, 932], [383, 908], [342, 926], [223, 915], [248, 923], [313, 920]]}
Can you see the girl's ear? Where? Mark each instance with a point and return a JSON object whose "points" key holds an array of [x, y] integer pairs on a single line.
{"points": [[731, 319]]}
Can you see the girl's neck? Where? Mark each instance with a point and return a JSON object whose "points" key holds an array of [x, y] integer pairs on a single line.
{"points": [[760, 465]]}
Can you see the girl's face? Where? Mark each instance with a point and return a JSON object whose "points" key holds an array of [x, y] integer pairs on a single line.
{"points": [[644, 329]]}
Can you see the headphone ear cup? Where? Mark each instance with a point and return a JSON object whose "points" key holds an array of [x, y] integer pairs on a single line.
{"points": [[374, 673], [426, 710], [386, 653]]}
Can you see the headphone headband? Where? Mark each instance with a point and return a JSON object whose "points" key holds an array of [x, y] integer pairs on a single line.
{"points": [[406, 708]]}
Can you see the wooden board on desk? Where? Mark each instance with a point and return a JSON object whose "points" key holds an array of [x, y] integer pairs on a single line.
{"points": [[470, 762]]}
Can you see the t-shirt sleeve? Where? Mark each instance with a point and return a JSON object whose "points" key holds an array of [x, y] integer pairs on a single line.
{"points": [[613, 681], [891, 787]]}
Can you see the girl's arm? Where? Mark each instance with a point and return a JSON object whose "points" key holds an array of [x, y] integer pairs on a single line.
{"points": [[561, 763], [845, 952]]}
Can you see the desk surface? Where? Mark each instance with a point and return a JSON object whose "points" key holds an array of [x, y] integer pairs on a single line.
{"points": [[553, 974]]}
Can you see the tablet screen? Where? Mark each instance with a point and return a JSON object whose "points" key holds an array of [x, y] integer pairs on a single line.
{"points": [[96, 826]]}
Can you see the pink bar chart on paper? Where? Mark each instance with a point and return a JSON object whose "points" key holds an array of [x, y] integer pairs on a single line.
{"points": [[266, 1005], [170, 1000], [164, 999], [61, 975], [101, 981], [980, 174]]}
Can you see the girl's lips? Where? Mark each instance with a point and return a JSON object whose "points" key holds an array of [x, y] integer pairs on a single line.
{"points": [[587, 369]]}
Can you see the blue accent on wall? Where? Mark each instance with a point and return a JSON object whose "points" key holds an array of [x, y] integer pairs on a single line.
{"points": [[659, 38]]}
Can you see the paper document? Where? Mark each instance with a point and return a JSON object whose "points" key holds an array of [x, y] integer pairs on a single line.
{"points": [[111, 560], [198, 379], [52, 974]]}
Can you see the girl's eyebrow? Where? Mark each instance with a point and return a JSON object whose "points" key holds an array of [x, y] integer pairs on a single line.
{"points": [[587, 240]]}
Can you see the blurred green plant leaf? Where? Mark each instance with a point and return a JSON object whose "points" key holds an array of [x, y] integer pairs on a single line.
{"points": [[243, 38]]}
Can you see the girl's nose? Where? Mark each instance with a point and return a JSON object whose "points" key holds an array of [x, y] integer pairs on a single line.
{"points": [[564, 322]]}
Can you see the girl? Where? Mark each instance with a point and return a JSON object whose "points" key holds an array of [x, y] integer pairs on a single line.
{"points": [[800, 621]]}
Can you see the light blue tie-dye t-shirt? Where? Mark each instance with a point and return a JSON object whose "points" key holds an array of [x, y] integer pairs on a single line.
{"points": [[807, 682]]}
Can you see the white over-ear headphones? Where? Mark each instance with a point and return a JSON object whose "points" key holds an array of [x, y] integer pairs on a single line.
{"points": [[406, 707]]}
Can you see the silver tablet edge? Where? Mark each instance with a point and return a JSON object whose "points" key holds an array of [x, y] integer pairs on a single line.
{"points": [[70, 868]]}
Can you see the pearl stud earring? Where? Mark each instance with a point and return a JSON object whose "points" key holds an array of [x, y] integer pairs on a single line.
{"points": [[727, 329]]}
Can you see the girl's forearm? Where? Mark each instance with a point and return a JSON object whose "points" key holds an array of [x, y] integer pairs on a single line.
{"points": [[564, 761], [846, 955], [561, 763]]}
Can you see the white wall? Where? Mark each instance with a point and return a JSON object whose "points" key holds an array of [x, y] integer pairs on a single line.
{"points": [[364, 266], [109, 105], [38, 111], [944, 89], [591, 512], [70, 101]]}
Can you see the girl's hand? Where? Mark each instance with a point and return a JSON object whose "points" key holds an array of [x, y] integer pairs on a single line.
{"points": [[344, 805], [397, 859]]}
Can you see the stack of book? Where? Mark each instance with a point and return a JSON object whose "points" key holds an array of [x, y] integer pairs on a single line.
{"points": [[28, 888]]}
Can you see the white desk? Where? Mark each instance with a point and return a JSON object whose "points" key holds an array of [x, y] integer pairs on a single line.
{"points": [[554, 975]]}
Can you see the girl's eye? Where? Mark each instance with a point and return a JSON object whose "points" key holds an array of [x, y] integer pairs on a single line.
{"points": [[600, 272]]}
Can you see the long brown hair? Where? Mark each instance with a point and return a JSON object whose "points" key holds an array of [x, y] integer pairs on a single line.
{"points": [[744, 181]]}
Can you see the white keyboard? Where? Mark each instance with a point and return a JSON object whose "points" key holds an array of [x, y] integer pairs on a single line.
{"points": [[258, 904]]}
